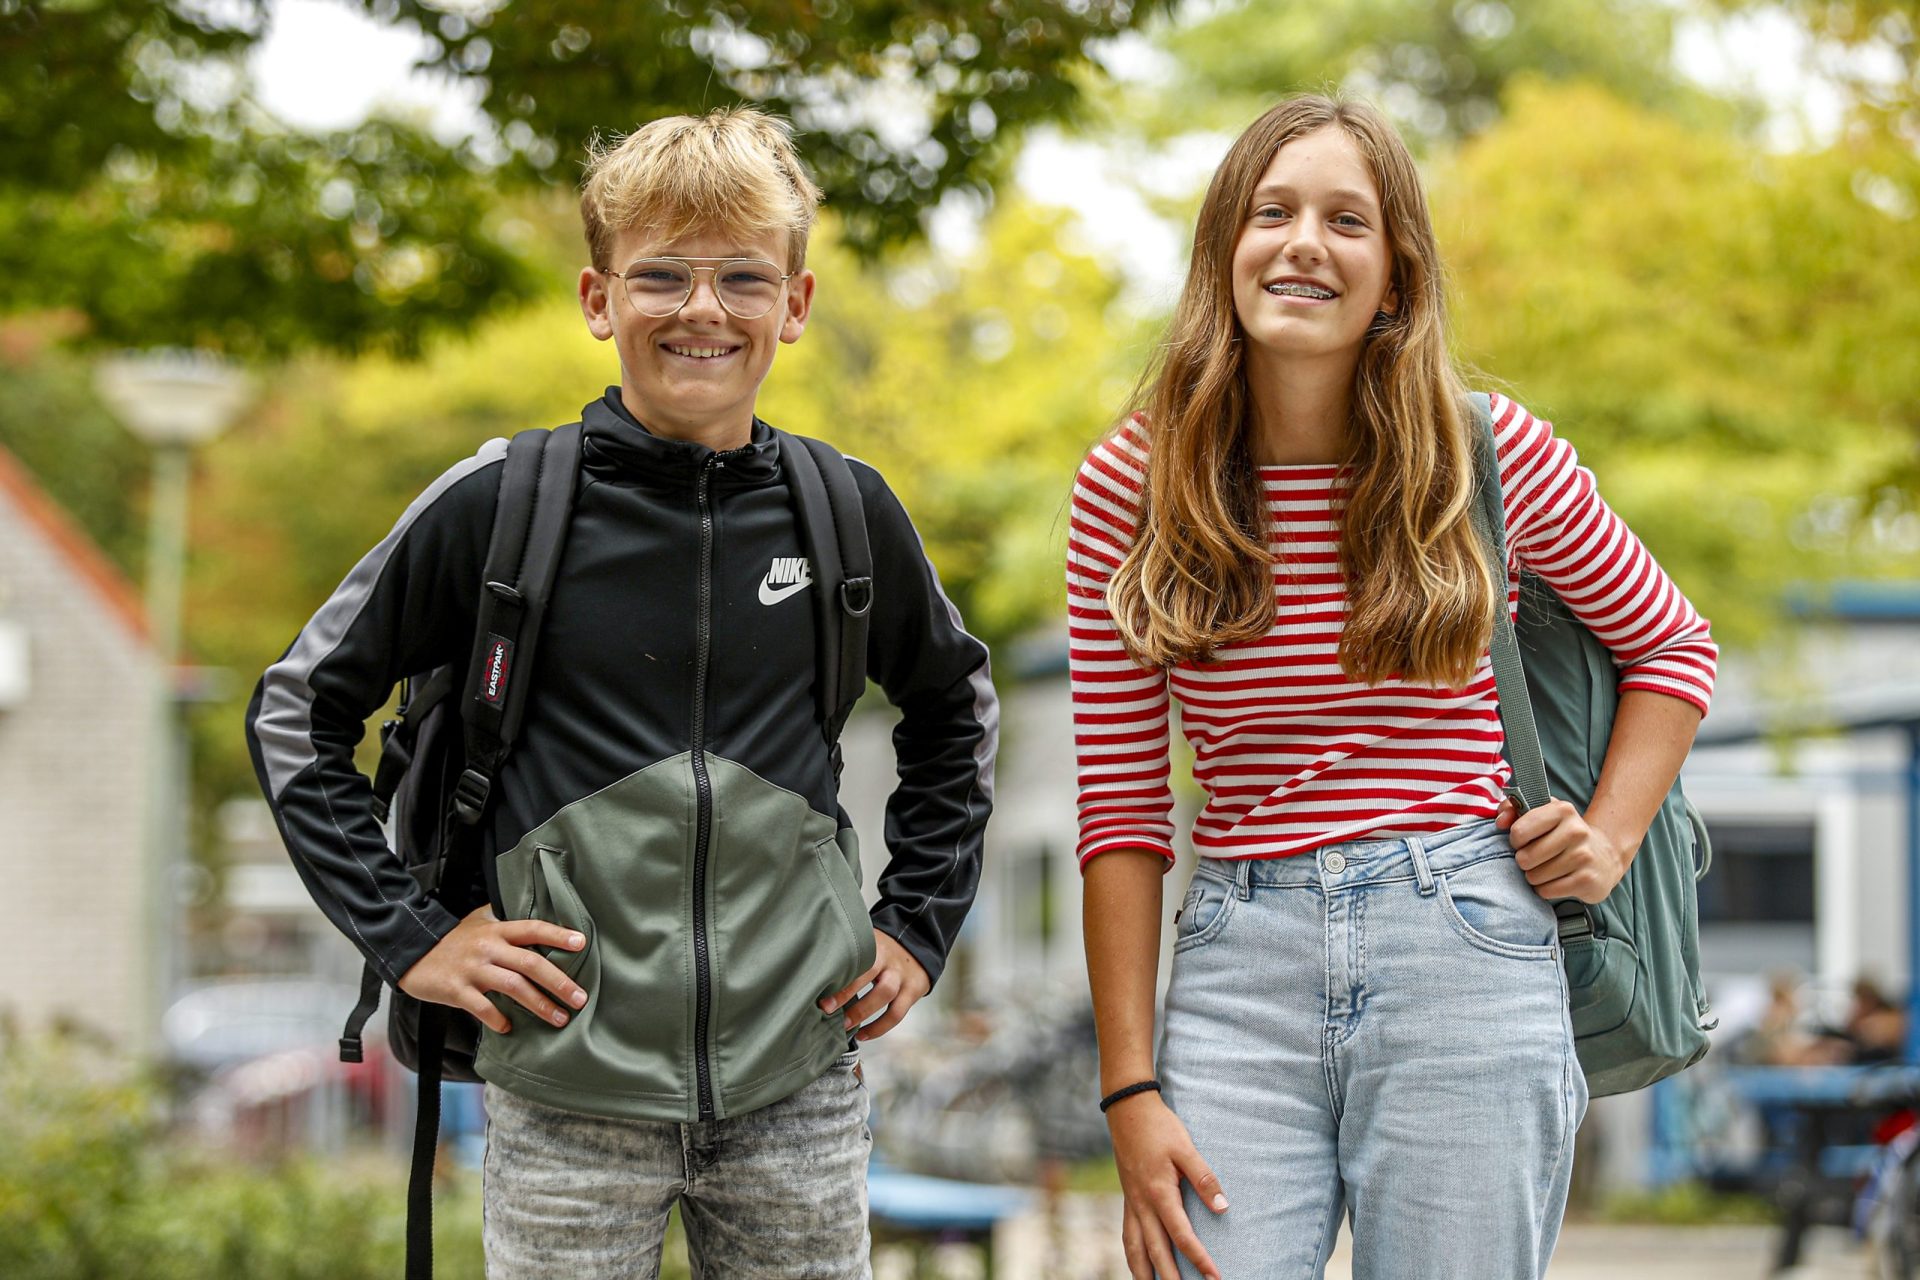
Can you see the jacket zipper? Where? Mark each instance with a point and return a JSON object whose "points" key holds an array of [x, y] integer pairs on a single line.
{"points": [[703, 794]]}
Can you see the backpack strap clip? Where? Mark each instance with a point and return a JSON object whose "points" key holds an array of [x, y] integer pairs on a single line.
{"points": [[860, 590], [1577, 923], [470, 795]]}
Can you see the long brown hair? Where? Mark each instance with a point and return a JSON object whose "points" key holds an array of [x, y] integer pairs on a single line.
{"points": [[1420, 596]]}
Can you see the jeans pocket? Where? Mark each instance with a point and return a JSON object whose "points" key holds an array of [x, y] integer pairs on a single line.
{"points": [[1493, 908], [1208, 905]]}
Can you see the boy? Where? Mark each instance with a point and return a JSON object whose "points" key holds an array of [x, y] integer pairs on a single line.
{"points": [[668, 816]]}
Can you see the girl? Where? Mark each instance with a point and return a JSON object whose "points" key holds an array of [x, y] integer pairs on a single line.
{"points": [[1366, 1011]]}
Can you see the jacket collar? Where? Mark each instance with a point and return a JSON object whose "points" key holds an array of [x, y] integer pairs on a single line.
{"points": [[618, 445]]}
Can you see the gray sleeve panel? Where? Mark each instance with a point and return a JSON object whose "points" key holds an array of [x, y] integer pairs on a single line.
{"points": [[284, 725], [941, 679]]}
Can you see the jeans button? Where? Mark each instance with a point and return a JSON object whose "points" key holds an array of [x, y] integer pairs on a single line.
{"points": [[1336, 863]]}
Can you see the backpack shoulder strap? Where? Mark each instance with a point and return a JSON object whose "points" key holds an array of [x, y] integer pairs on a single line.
{"points": [[833, 528], [529, 532], [1529, 788]]}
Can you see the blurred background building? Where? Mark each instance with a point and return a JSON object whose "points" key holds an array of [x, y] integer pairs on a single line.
{"points": [[77, 682]]}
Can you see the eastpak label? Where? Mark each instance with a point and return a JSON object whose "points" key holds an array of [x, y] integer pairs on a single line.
{"points": [[493, 690]]}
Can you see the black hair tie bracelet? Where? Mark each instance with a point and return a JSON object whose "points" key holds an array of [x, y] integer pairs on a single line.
{"points": [[1119, 1095]]}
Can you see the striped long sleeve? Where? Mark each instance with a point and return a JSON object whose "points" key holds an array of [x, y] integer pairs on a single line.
{"points": [[1290, 753]]}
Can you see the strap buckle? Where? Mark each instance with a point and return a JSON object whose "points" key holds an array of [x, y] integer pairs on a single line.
{"points": [[470, 795], [856, 596], [350, 1049], [1577, 922]]}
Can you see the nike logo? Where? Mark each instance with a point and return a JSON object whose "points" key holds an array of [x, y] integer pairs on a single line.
{"points": [[788, 576]]}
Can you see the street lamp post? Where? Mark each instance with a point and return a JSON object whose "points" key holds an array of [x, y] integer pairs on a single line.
{"points": [[173, 401]]}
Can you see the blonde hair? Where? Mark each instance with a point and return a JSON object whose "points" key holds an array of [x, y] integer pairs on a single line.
{"points": [[1420, 595], [734, 170]]}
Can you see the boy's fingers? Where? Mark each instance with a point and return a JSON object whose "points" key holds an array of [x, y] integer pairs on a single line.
{"points": [[482, 1008], [547, 974], [542, 933], [896, 1011], [847, 992], [525, 994], [883, 993]]}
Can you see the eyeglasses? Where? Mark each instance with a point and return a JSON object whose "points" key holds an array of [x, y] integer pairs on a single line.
{"points": [[746, 287]]}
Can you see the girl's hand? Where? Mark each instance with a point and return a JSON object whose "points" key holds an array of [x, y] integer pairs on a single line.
{"points": [[1153, 1152], [1563, 856]]}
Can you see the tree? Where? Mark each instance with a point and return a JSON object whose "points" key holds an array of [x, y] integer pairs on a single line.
{"points": [[143, 193], [1880, 41], [900, 101], [141, 189], [1725, 336], [1438, 68]]}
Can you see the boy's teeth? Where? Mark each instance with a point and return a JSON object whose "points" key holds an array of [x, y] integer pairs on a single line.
{"points": [[698, 351]]}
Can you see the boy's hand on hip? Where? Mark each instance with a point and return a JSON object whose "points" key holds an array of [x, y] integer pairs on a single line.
{"points": [[895, 984], [485, 954]]}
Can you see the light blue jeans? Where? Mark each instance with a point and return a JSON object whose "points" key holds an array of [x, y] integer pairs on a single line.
{"points": [[1378, 1027]]}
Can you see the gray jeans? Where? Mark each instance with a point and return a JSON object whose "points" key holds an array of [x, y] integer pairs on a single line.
{"points": [[777, 1192]]}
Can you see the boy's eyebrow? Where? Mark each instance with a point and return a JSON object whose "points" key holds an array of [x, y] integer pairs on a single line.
{"points": [[1342, 195]]}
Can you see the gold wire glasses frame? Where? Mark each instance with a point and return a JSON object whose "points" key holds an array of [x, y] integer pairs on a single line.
{"points": [[747, 287]]}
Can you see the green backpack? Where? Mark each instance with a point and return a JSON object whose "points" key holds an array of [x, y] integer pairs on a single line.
{"points": [[1640, 1013]]}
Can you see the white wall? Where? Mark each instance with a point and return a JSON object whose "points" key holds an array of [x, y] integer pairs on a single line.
{"points": [[73, 774]]}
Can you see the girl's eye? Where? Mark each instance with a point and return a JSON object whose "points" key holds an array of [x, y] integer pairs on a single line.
{"points": [[1348, 220], [1271, 213]]}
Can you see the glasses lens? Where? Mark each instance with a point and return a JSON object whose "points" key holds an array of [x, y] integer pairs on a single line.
{"points": [[748, 288], [657, 286]]}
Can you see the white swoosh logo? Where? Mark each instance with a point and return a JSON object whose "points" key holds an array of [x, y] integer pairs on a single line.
{"points": [[770, 594]]}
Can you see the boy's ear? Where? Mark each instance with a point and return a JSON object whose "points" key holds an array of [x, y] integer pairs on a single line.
{"points": [[799, 306], [596, 302]]}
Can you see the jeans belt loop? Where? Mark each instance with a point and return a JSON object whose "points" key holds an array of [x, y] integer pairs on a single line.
{"points": [[1421, 869], [1243, 878]]}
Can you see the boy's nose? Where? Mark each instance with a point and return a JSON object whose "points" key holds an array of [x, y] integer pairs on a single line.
{"points": [[704, 301]]}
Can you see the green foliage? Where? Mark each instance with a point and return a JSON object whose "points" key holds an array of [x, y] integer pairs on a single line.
{"points": [[1439, 69], [143, 191], [1887, 31], [92, 1189], [51, 421], [975, 385], [899, 102], [1722, 334], [85, 80], [1687, 1204], [163, 220]]}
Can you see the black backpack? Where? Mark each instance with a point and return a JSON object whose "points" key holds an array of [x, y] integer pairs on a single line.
{"points": [[439, 754]]}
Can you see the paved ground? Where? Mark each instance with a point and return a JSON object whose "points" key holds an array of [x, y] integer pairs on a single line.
{"points": [[1082, 1243]]}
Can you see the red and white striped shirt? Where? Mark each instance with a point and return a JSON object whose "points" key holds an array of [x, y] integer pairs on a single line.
{"points": [[1291, 753]]}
